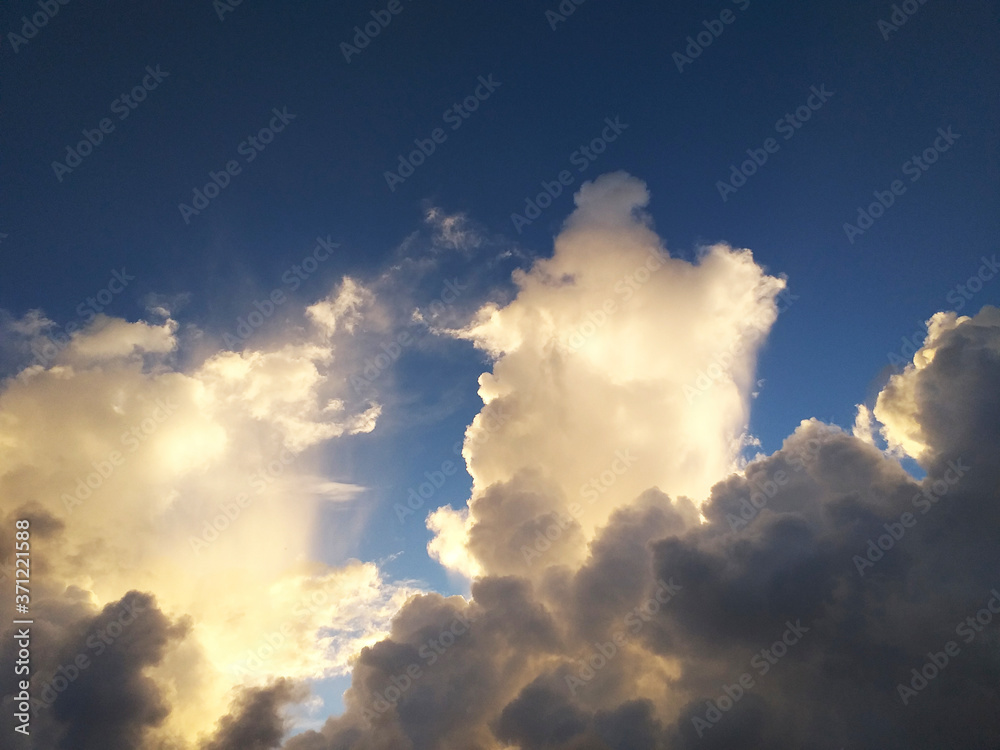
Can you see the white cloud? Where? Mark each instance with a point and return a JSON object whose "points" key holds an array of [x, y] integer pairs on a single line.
{"points": [[596, 356], [343, 308], [897, 404], [198, 485]]}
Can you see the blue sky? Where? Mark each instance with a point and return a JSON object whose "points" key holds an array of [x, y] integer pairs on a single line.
{"points": [[222, 73], [324, 175]]}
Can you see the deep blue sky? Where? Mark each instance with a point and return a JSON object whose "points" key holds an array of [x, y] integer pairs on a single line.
{"points": [[323, 175]]}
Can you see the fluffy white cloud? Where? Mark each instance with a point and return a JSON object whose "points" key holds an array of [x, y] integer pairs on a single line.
{"points": [[112, 338], [619, 368], [897, 404]]}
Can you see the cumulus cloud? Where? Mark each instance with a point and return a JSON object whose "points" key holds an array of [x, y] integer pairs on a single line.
{"points": [[797, 603], [255, 721], [794, 616], [200, 486], [816, 597], [603, 353], [956, 348], [114, 338]]}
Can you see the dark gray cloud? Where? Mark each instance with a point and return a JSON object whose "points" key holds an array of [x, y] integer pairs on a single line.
{"points": [[823, 577], [524, 524], [89, 684], [255, 721]]}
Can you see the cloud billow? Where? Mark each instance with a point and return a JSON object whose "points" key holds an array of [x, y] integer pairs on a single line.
{"points": [[774, 639], [671, 597]]}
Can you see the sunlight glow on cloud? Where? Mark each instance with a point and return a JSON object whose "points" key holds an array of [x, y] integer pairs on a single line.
{"points": [[622, 557], [897, 407], [596, 358], [200, 487]]}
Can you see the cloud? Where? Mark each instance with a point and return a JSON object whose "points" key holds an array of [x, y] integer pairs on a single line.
{"points": [[254, 722], [200, 486], [453, 231], [816, 597], [449, 546], [112, 338], [343, 308], [607, 329], [282, 387], [99, 694], [957, 350], [798, 603], [773, 632]]}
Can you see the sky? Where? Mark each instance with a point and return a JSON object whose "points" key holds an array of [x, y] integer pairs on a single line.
{"points": [[330, 331]]}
